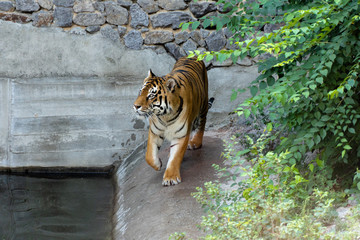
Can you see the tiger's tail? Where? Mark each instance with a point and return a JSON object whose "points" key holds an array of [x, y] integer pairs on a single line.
{"points": [[210, 102]]}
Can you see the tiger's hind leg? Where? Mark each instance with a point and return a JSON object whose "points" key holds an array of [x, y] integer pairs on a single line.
{"points": [[199, 128], [196, 140]]}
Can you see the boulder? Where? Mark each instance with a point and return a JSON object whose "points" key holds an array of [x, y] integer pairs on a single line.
{"points": [[200, 9], [7, 6], [176, 51], [42, 19], [138, 17], [216, 41], [167, 19], [116, 14], [134, 40], [109, 32], [64, 3], [149, 6], [84, 6], [63, 17], [158, 37], [89, 19], [171, 5], [27, 6]]}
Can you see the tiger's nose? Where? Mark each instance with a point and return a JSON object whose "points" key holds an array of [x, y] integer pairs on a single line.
{"points": [[136, 107]]}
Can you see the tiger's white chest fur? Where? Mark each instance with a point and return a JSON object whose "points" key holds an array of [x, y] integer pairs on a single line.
{"points": [[170, 130]]}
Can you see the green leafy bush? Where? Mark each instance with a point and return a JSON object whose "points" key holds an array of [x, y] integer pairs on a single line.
{"points": [[308, 86], [268, 198], [309, 78]]}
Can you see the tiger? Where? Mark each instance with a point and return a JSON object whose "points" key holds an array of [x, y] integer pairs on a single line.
{"points": [[175, 105]]}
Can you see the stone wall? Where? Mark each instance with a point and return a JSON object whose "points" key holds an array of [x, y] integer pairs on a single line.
{"points": [[71, 69], [140, 24]]}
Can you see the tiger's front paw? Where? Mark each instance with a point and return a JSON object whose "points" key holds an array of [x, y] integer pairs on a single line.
{"points": [[155, 164], [171, 178]]}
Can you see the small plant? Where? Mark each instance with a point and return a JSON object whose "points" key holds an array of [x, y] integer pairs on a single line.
{"points": [[177, 236]]}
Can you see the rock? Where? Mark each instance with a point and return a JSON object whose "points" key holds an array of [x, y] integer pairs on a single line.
{"points": [[157, 48], [172, 5], [173, 19], [228, 33], [343, 212], [63, 17], [109, 32], [7, 6], [47, 4], [181, 37], [122, 31], [125, 3], [149, 6], [15, 17], [189, 45], [175, 50], [200, 9], [269, 28], [216, 41], [99, 6], [64, 3], [158, 37], [134, 40], [42, 19], [89, 19], [231, 45], [138, 17], [246, 62], [83, 6], [27, 6], [228, 62], [221, 8], [92, 29], [204, 33], [197, 37], [78, 31], [115, 14]]}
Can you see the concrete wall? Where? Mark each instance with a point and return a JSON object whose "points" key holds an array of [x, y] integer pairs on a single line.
{"points": [[66, 99]]}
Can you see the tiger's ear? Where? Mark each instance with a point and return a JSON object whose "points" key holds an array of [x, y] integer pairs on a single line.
{"points": [[151, 74], [171, 84]]}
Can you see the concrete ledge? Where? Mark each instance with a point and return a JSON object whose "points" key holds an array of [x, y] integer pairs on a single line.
{"points": [[147, 210]]}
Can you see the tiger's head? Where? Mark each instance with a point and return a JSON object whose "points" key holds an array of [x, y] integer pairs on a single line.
{"points": [[155, 96]]}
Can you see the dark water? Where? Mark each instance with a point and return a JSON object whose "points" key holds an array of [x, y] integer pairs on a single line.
{"points": [[51, 209]]}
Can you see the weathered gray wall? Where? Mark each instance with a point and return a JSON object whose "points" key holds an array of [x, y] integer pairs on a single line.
{"points": [[66, 99]]}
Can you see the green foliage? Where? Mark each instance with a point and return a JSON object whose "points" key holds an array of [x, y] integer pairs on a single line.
{"points": [[308, 86], [310, 81], [270, 198]]}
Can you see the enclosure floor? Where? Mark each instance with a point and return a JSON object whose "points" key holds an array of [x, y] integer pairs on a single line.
{"points": [[153, 211]]}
